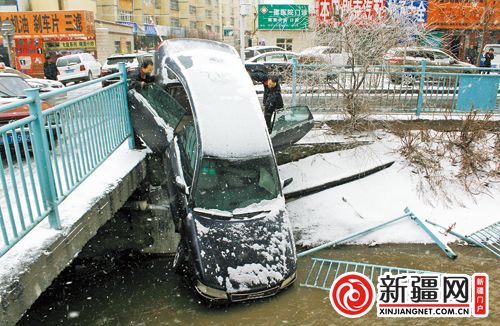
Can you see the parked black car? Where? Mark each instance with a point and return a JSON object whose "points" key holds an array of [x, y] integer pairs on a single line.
{"points": [[225, 192]]}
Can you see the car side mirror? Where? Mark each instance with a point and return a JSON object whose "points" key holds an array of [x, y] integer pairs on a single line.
{"points": [[181, 184], [287, 182]]}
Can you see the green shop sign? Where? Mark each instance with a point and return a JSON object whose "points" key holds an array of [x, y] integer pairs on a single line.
{"points": [[278, 17]]}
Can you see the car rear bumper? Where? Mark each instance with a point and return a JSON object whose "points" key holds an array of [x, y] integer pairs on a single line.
{"points": [[73, 77]]}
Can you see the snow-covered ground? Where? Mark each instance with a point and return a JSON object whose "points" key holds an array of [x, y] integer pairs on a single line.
{"points": [[356, 206]]}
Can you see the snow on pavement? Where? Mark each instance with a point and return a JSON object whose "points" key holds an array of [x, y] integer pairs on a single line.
{"points": [[337, 212]]}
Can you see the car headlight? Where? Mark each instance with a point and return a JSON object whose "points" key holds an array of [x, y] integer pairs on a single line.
{"points": [[209, 292], [288, 281]]}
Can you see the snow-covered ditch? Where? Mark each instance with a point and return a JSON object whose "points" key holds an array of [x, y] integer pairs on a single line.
{"points": [[355, 206]]}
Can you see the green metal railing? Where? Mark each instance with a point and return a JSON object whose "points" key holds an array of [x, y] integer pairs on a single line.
{"points": [[393, 89], [48, 153]]}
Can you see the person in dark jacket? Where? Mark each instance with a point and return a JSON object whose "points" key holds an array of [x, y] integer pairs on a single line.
{"points": [[273, 101], [272, 95], [487, 59], [142, 76], [50, 68]]}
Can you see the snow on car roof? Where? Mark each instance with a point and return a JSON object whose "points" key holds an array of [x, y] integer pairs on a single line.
{"points": [[226, 109]]}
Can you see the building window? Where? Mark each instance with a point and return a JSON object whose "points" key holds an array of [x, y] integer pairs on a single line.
{"points": [[174, 4], [129, 47], [208, 14], [208, 2], [157, 4], [192, 10], [118, 47], [157, 20], [285, 43], [192, 25], [147, 19], [174, 22], [208, 28], [125, 16]]}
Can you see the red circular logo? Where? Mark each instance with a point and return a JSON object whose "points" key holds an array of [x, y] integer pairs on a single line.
{"points": [[352, 295]]}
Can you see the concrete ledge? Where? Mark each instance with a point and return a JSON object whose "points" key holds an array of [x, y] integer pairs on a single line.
{"points": [[32, 264]]}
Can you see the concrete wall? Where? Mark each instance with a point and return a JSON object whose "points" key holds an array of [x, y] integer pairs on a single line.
{"points": [[107, 33]]}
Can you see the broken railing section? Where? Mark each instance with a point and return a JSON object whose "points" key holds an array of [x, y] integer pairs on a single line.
{"points": [[322, 272], [408, 214], [487, 238]]}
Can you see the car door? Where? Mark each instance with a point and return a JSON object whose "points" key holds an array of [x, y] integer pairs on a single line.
{"points": [[290, 125], [155, 115]]}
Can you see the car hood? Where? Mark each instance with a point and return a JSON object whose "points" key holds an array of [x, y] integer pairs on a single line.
{"points": [[241, 255]]}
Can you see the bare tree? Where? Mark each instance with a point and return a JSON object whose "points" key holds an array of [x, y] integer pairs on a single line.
{"points": [[364, 38]]}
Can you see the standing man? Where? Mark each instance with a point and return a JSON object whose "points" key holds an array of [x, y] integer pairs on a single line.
{"points": [[50, 68], [273, 101], [487, 59], [142, 76]]}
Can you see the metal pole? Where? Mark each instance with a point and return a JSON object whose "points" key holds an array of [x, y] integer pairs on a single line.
{"points": [[123, 71], [42, 158], [420, 101], [242, 32], [351, 236]]}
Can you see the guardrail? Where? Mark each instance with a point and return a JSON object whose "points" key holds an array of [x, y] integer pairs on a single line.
{"points": [[395, 89], [48, 153]]}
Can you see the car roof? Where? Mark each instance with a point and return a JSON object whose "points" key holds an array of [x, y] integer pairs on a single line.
{"points": [[8, 74], [416, 48], [226, 110], [262, 47], [271, 53]]}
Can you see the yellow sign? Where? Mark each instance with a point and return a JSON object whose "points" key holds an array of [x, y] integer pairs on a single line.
{"points": [[69, 45]]}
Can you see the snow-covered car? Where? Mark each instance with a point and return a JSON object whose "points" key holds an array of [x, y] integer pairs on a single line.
{"points": [[436, 60], [77, 67], [323, 55], [225, 193], [132, 63], [12, 89], [276, 63], [253, 51], [45, 85]]}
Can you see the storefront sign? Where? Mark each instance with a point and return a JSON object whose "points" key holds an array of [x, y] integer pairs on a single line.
{"points": [[50, 22], [288, 17]]}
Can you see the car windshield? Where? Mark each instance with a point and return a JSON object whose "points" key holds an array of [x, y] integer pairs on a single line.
{"points": [[227, 185], [13, 86], [114, 61], [66, 61]]}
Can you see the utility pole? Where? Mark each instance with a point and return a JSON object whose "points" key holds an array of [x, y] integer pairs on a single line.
{"points": [[244, 11]]}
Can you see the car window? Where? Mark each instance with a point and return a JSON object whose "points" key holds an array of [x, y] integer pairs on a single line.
{"points": [[230, 184], [249, 54], [12, 86], [275, 58], [66, 61], [116, 60], [187, 146], [441, 56], [331, 51], [289, 57], [165, 105]]}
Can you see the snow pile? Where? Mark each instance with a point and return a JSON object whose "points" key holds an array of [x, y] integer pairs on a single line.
{"points": [[249, 276], [358, 205]]}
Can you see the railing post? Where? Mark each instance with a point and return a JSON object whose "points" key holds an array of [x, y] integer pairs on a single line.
{"points": [[42, 158], [420, 101], [294, 81], [123, 71]]}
